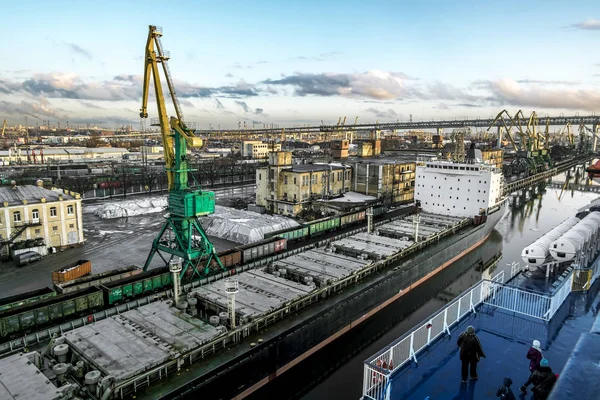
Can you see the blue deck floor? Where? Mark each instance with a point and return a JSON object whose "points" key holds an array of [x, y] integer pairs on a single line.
{"points": [[505, 338]]}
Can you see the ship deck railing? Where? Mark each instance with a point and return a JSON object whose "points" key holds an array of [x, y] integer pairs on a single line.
{"points": [[493, 294]]}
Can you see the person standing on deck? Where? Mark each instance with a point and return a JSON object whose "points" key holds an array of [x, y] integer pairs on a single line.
{"points": [[534, 355], [543, 380], [470, 352]]}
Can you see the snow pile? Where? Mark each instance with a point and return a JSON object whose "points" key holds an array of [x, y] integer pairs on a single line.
{"points": [[226, 223], [129, 208], [352, 197], [243, 226]]}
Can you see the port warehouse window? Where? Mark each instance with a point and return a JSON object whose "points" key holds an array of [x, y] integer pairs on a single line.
{"points": [[17, 216], [35, 214], [53, 211]]}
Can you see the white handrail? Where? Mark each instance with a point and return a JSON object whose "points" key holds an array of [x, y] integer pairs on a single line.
{"points": [[378, 369]]}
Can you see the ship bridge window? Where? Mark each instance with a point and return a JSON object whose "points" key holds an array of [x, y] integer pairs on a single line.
{"points": [[462, 169]]}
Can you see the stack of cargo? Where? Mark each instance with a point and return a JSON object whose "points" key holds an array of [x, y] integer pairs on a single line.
{"points": [[493, 157]]}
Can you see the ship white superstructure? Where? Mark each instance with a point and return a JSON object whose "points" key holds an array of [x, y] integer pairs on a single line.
{"points": [[458, 189]]}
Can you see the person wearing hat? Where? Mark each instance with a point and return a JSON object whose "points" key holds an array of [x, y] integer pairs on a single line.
{"points": [[543, 380], [534, 355], [470, 352], [505, 392]]}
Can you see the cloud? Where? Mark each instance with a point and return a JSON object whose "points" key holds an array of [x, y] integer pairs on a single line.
{"points": [[320, 57], [385, 114], [104, 120], [543, 82], [468, 105], [80, 51], [219, 104], [247, 109], [91, 105], [508, 91], [38, 109], [229, 75], [243, 105], [120, 87], [377, 85], [590, 24]]}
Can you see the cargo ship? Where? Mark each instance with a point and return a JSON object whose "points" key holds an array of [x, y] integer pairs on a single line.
{"points": [[228, 338]]}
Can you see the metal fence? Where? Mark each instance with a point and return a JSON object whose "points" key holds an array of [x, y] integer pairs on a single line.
{"points": [[494, 292]]}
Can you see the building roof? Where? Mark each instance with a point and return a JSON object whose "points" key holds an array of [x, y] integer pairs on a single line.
{"points": [[316, 167], [49, 151], [31, 193]]}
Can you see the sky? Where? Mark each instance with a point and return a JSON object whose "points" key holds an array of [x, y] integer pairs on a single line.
{"points": [[294, 63]]}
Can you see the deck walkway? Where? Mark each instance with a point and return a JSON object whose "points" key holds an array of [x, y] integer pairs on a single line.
{"points": [[505, 337]]}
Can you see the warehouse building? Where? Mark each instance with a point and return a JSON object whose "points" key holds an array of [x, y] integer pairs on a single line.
{"points": [[258, 149], [391, 181], [35, 218], [51, 155], [287, 189]]}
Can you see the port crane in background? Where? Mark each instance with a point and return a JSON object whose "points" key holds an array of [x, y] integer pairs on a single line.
{"points": [[531, 146], [181, 235]]}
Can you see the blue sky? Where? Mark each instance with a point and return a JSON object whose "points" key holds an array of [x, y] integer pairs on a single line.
{"points": [[298, 62]]}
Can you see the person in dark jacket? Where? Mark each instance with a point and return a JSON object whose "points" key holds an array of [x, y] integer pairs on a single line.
{"points": [[534, 355], [470, 352], [543, 380], [504, 391]]}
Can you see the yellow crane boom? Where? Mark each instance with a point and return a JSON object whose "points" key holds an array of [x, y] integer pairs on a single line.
{"points": [[154, 56]]}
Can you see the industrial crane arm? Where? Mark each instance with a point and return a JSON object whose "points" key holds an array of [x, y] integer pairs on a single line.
{"points": [[152, 59], [500, 117], [190, 139]]}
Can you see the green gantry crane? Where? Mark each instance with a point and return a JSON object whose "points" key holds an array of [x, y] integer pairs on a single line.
{"points": [[181, 235]]}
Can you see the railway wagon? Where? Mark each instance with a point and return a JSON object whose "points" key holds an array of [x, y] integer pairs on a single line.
{"points": [[379, 210], [22, 299], [264, 248], [290, 233], [72, 271], [352, 218], [322, 226], [97, 279], [229, 258], [145, 282], [23, 319]]}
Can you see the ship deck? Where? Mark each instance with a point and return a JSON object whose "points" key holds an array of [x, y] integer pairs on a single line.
{"points": [[505, 336], [220, 360]]}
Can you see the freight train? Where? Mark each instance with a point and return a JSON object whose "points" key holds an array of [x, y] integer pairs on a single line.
{"points": [[34, 310]]}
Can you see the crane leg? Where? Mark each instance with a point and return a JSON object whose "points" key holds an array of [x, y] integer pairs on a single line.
{"points": [[185, 238]]}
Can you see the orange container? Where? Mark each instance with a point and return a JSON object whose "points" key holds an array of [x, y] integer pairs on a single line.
{"points": [[72, 271]]}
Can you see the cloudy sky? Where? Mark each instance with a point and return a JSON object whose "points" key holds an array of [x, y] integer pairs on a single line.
{"points": [[299, 62]]}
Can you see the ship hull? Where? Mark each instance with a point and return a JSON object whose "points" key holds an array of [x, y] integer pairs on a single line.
{"points": [[299, 337]]}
